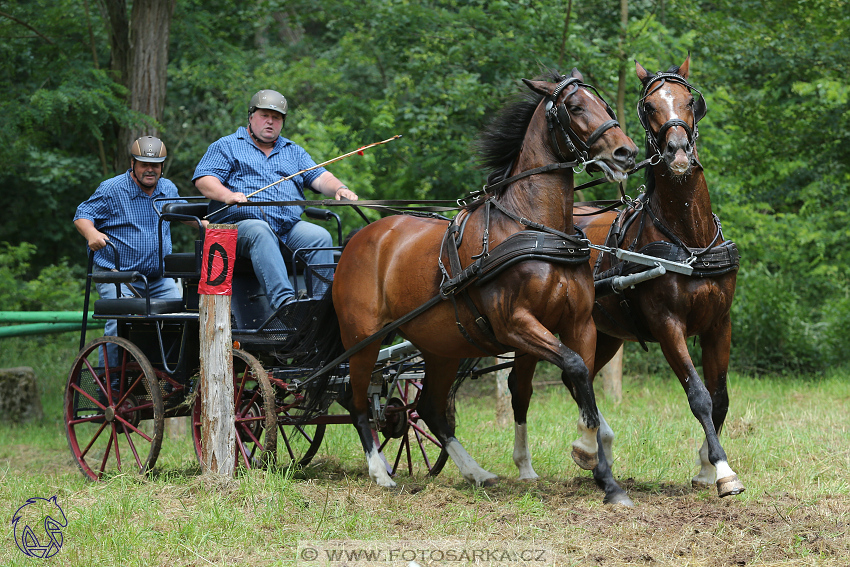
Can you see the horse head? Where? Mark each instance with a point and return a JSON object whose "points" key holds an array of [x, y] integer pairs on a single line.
{"points": [[669, 113], [583, 127]]}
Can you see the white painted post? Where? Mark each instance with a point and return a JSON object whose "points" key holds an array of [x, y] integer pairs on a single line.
{"points": [[504, 410], [612, 377], [218, 420]]}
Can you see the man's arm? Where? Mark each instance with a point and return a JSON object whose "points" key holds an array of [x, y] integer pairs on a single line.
{"points": [[327, 184], [211, 188], [95, 239]]}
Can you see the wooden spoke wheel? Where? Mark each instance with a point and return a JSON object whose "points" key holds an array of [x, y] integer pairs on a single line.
{"points": [[408, 444], [114, 416], [298, 442], [256, 434]]}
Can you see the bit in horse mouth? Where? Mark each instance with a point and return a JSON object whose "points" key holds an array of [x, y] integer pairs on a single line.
{"points": [[612, 175]]}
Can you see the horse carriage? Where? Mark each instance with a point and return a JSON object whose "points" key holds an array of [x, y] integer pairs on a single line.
{"points": [[513, 271], [121, 389]]}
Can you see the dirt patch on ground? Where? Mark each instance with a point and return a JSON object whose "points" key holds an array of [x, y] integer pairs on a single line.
{"points": [[669, 525]]}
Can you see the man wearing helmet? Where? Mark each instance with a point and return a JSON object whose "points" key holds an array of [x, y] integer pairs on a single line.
{"points": [[253, 157], [121, 212]]}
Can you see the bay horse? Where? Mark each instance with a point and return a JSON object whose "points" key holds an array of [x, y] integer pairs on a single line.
{"points": [[673, 219], [395, 265]]}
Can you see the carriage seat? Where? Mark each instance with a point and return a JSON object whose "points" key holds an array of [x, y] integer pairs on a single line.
{"points": [[188, 264], [133, 305], [138, 306]]}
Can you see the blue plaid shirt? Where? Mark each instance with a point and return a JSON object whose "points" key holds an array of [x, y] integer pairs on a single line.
{"points": [[122, 211], [242, 167]]}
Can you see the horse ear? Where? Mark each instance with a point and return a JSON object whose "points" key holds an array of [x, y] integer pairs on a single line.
{"points": [[540, 87], [685, 68], [641, 72], [576, 75]]}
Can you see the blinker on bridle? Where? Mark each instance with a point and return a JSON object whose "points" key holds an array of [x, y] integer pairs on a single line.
{"points": [[558, 116], [700, 110]]}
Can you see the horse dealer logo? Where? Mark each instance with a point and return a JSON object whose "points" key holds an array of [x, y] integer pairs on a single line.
{"points": [[38, 527]]}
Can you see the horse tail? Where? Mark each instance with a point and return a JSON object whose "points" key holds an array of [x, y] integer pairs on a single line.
{"points": [[467, 368]]}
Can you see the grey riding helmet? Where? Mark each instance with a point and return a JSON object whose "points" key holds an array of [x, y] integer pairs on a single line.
{"points": [[268, 99], [148, 149]]}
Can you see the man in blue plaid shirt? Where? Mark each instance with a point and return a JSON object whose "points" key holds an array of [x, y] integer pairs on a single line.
{"points": [[253, 157], [121, 212]]}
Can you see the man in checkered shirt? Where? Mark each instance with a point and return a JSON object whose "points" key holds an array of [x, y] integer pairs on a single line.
{"points": [[121, 212], [253, 157]]}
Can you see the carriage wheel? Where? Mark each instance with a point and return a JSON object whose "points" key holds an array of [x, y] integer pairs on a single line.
{"points": [[408, 443], [299, 442], [256, 435], [105, 407]]}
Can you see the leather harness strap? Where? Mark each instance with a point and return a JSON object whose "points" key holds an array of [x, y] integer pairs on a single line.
{"points": [[538, 243]]}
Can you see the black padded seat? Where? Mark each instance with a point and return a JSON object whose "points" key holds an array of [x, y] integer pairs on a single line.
{"points": [[137, 306], [181, 263]]}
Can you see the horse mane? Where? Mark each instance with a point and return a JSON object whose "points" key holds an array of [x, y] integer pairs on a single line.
{"points": [[501, 140]]}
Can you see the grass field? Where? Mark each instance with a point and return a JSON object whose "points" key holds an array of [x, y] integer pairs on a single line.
{"points": [[787, 438]]}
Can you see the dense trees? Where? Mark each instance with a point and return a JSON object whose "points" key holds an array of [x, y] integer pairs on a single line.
{"points": [[774, 144]]}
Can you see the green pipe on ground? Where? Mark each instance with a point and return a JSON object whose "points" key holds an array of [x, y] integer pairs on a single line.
{"points": [[43, 317], [45, 328]]}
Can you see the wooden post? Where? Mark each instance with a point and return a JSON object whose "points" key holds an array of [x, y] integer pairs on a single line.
{"points": [[504, 410], [218, 420], [612, 377]]}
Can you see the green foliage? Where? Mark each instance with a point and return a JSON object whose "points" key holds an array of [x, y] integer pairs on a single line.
{"points": [[56, 288], [774, 144]]}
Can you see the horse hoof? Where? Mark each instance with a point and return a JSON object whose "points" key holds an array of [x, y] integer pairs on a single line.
{"points": [[620, 498], [585, 460], [489, 482], [700, 484], [729, 486]]}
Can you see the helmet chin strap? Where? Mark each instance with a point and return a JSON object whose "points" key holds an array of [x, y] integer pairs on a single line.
{"points": [[258, 141]]}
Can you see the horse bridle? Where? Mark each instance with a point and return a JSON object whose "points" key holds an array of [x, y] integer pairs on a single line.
{"points": [[558, 117], [700, 110]]}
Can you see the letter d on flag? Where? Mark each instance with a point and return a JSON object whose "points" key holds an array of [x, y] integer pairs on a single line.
{"points": [[217, 262]]}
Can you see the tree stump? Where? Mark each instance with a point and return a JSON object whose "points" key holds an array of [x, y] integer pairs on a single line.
{"points": [[19, 399]]}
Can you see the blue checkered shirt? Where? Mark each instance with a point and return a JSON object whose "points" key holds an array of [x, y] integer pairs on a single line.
{"points": [[242, 167], [122, 211]]}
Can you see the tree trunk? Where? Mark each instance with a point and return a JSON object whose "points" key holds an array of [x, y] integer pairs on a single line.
{"points": [[621, 84], [140, 60]]}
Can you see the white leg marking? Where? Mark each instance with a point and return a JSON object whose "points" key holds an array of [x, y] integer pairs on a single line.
{"points": [[607, 436], [706, 476], [522, 454], [470, 470], [377, 469], [724, 470], [587, 441]]}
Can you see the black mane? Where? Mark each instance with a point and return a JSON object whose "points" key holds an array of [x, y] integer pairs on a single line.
{"points": [[500, 142]]}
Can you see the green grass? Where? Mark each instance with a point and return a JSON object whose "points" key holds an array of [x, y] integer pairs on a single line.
{"points": [[788, 439]]}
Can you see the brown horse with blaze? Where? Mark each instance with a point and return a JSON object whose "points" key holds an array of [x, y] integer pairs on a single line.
{"points": [[672, 220]]}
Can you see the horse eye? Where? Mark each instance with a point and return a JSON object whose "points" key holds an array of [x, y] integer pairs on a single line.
{"points": [[576, 109]]}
